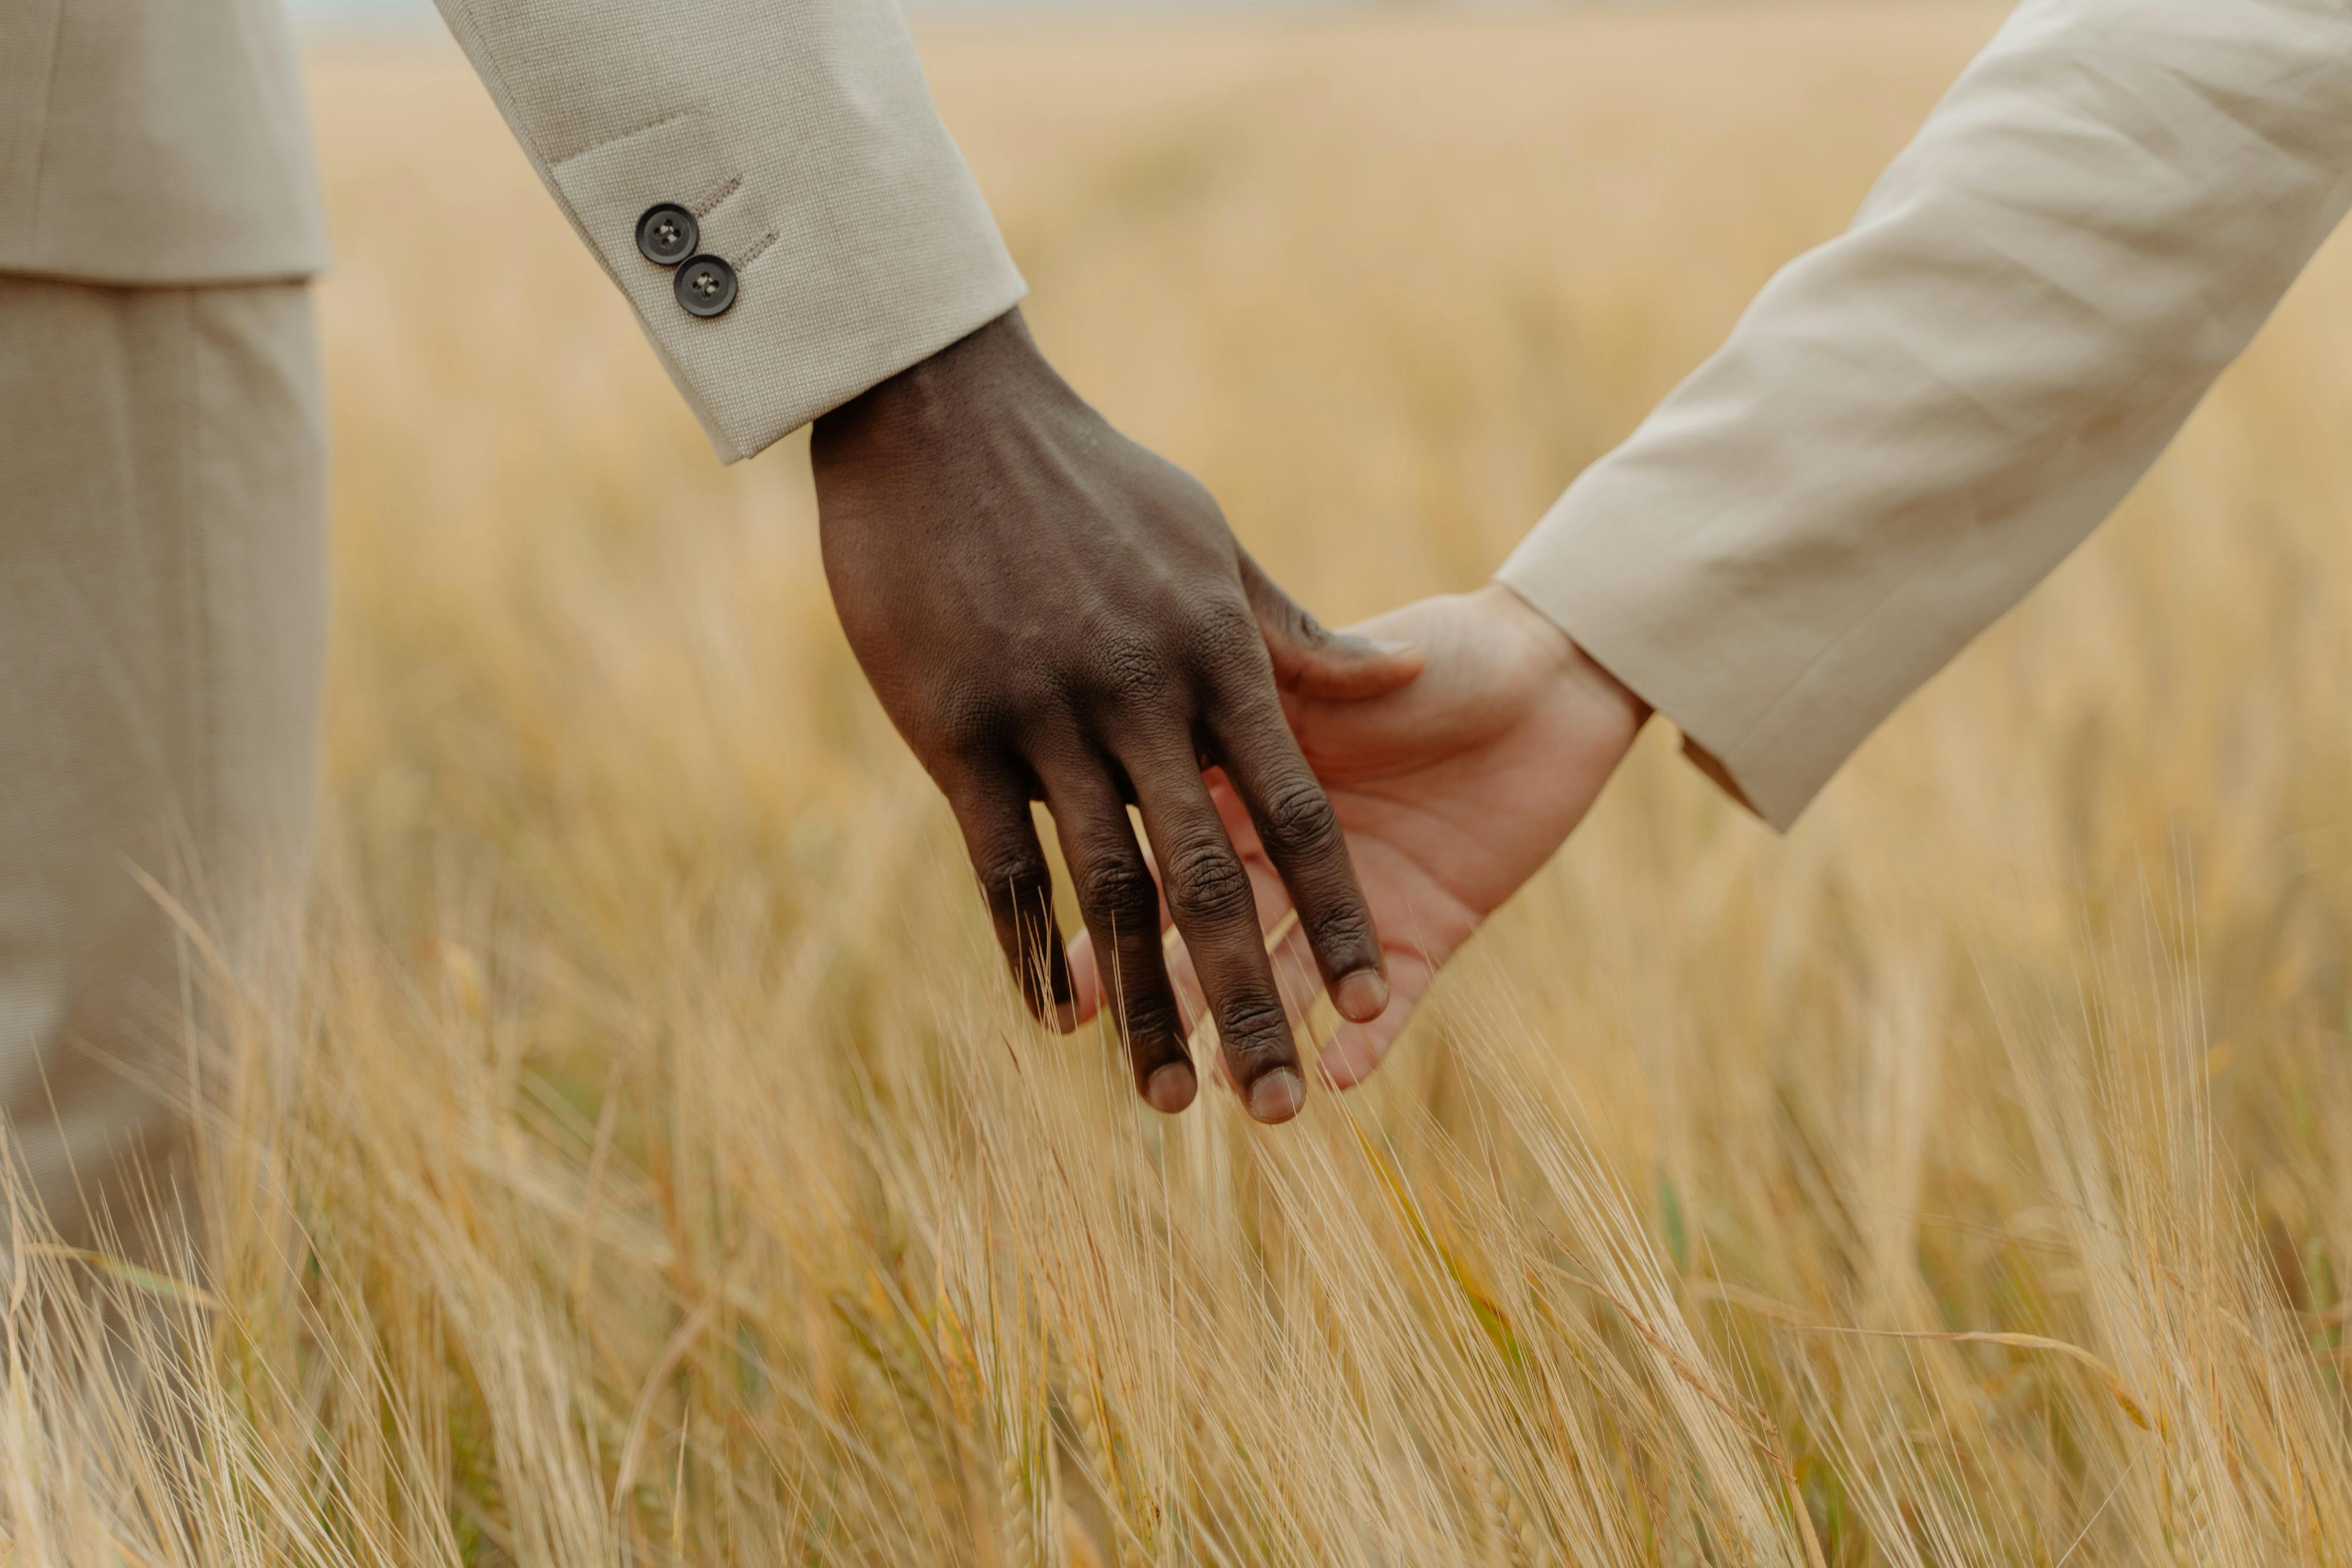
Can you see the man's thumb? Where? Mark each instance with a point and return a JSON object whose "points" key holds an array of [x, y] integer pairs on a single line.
{"points": [[1312, 661]]}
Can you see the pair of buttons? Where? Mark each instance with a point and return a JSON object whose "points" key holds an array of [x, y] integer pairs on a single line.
{"points": [[666, 235]]}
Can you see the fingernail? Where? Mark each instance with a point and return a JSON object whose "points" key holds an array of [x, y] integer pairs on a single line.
{"points": [[1170, 1088], [1362, 996], [1276, 1096], [1383, 645]]}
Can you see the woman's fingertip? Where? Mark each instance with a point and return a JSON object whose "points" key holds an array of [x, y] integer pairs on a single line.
{"points": [[1350, 1056]]}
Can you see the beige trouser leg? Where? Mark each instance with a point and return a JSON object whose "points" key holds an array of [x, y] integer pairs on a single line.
{"points": [[161, 602]]}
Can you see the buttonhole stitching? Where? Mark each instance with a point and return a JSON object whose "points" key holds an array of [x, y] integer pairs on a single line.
{"points": [[650, 125], [712, 204], [756, 252]]}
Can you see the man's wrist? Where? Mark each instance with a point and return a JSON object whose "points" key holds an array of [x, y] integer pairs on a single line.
{"points": [[998, 366]]}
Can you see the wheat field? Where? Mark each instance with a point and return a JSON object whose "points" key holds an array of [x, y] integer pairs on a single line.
{"points": [[654, 1168]]}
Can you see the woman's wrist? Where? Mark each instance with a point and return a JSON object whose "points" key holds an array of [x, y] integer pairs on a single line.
{"points": [[1559, 652]]}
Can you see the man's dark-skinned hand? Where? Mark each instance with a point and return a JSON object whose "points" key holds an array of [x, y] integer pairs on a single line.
{"points": [[1050, 612]]}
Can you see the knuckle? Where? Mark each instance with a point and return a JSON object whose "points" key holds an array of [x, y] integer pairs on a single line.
{"points": [[1132, 670], [1035, 715], [1342, 932], [970, 722], [1116, 889], [1226, 636], [1253, 1027], [1299, 820], [1206, 882], [1012, 881], [1149, 1017]]}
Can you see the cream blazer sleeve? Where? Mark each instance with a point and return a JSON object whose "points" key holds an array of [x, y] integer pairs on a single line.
{"points": [[800, 138], [1914, 424]]}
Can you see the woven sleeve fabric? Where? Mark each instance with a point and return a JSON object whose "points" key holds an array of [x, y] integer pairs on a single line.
{"points": [[1914, 424], [156, 142], [801, 135]]}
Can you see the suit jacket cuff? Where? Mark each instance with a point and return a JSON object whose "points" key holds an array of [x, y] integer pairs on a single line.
{"points": [[803, 140], [1633, 614], [1916, 421]]}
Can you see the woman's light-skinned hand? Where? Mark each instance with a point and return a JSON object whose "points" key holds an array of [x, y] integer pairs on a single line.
{"points": [[1452, 791]]}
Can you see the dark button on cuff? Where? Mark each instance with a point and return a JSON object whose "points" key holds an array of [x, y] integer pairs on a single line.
{"points": [[666, 234], [706, 285]]}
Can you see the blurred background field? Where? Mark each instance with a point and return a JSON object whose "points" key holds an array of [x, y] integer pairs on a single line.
{"points": [[667, 1176]]}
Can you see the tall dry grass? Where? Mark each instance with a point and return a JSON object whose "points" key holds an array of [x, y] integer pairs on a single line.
{"points": [[656, 1169]]}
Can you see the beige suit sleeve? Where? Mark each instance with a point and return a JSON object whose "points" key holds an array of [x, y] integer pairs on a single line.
{"points": [[802, 136], [1914, 424]]}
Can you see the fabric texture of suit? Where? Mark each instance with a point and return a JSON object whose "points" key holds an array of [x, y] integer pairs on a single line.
{"points": [[162, 597], [154, 142], [1915, 423], [803, 138], [163, 141]]}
